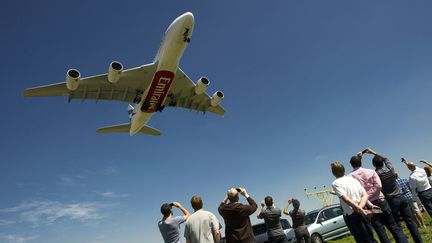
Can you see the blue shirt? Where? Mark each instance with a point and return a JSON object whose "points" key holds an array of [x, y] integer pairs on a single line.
{"points": [[404, 186], [170, 229]]}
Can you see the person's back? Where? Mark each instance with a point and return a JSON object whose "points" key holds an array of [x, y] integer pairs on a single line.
{"points": [[236, 216], [200, 227], [272, 217], [169, 226], [237, 221], [298, 217], [170, 229]]}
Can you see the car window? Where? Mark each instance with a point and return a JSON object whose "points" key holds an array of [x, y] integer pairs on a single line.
{"points": [[285, 224], [259, 229], [310, 218], [336, 211], [327, 214]]}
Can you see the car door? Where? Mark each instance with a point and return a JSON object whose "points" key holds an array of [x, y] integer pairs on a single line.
{"points": [[339, 226], [260, 232], [325, 218]]}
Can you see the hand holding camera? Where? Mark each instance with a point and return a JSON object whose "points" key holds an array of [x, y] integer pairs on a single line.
{"points": [[175, 204]]}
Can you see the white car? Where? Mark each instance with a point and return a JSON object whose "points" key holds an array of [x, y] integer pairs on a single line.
{"points": [[326, 223]]}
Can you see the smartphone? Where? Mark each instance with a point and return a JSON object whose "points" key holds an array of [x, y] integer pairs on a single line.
{"points": [[403, 159], [238, 189], [364, 151], [171, 204]]}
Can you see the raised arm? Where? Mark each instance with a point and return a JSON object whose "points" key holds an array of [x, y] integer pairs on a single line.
{"points": [[285, 210], [184, 210], [426, 162], [261, 211], [247, 209]]}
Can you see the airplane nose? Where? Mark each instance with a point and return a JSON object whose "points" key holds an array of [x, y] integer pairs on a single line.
{"points": [[188, 18]]}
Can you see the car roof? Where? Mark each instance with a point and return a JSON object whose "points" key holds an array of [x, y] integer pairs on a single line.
{"points": [[325, 207]]}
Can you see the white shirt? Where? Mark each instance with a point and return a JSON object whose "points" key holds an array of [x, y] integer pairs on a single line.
{"points": [[349, 187], [199, 227], [418, 180]]}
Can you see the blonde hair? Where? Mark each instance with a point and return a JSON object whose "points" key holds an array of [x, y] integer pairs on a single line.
{"points": [[338, 169]]}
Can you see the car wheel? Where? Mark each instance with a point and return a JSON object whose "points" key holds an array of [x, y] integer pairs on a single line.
{"points": [[316, 238]]}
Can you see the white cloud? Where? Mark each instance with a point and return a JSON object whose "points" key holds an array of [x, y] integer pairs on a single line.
{"points": [[48, 212], [19, 238], [320, 157], [4, 222], [110, 170], [113, 195]]}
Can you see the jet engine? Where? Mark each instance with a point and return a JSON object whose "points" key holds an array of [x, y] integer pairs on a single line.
{"points": [[201, 85], [114, 72], [216, 98], [73, 77]]}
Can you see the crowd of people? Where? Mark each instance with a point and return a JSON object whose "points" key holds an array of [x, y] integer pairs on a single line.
{"points": [[370, 200], [378, 198], [203, 226]]}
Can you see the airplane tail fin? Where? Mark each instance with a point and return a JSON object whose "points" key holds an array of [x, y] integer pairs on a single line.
{"points": [[125, 127]]}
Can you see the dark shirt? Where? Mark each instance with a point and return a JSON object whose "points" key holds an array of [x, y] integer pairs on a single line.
{"points": [[271, 218], [238, 228], [388, 180], [298, 218]]}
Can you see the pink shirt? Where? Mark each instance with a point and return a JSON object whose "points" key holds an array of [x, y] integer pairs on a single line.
{"points": [[370, 181]]}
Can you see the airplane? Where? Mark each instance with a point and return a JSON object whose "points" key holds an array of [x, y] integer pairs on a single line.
{"points": [[150, 87]]}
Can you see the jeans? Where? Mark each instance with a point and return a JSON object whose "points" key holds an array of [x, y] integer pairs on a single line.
{"points": [[386, 219], [400, 208], [426, 199], [357, 224]]}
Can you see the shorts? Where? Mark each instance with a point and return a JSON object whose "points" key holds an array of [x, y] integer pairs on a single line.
{"points": [[413, 206]]}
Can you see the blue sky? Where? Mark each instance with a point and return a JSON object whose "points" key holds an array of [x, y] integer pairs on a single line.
{"points": [[305, 83]]}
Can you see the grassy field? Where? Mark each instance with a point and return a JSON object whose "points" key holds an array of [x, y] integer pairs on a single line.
{"points": [[425, 232]]}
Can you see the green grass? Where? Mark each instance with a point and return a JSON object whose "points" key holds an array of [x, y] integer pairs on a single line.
{"points": [[426, 233]]}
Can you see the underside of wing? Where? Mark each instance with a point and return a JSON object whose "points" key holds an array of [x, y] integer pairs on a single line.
{"points": [[182, 94], [129, 87]]}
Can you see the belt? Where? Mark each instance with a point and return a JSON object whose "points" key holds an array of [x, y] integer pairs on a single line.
{"points": [[424, 191], [378, 201]]}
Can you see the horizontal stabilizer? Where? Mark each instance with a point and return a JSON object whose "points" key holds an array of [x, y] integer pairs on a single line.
{"points": [[125, 127]]}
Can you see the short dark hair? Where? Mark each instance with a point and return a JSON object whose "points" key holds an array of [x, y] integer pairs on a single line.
{"points": [[166, 209], [268, 201], [296, 203], [338, 169], [356, 161], [196, 202], [378, 161]]}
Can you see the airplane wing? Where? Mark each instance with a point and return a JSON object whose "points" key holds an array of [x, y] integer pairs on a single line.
{"points": [[182, 92], [131, 84]]}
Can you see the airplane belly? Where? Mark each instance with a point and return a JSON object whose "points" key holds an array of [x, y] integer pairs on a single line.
{"points": [[138, 121], [157, 91]]}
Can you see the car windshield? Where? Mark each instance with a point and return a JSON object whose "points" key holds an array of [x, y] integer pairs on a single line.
{"points": [[310, 218]]}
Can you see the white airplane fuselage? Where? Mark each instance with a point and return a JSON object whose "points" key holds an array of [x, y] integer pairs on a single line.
{"points": [[173, 45]]}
